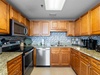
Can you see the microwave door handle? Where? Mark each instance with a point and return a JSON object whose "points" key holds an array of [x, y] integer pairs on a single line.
{"points": [[25, 31]]}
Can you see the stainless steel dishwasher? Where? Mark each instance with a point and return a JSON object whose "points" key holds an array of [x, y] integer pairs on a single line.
{"points": [[43, 57]]}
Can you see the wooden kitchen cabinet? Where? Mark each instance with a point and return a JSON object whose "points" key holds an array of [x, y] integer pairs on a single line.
{"points": [[84, 64], [72, 60], [77, 64], [95, 20], [40, 28], [85, 24], [58, 26], [75, 61], [95, 67], [84, 67], [22, 19], [45, 28], [35, 28], [70, 31], [14, 66], [60, 56], [55, 56], [77, 27], [94, 71], [54, 25], [4, 17], [65, 56], [14, 14]]}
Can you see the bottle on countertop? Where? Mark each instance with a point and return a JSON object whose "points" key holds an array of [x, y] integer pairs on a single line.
{"points": [[22, 44], [43, 43]]}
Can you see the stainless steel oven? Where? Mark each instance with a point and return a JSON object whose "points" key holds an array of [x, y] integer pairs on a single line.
{"points": [[27, 55], [28, 62], [17, 29]]}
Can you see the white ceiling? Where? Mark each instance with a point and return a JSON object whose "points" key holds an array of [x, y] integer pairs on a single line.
{"points": [[72, 9]]}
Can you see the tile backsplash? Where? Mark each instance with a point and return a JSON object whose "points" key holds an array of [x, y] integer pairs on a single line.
{"points": [[59, 36], [52, 39]]}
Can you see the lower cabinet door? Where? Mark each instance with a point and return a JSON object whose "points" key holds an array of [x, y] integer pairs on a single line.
{"points": [[84, 67], [77, 64], [16, 71], [94, 71], [55, 57], [65, 57]]}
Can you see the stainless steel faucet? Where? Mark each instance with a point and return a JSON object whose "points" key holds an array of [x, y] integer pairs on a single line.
{"points": [[58, 43]]}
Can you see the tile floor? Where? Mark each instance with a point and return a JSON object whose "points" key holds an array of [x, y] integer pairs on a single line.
{"points": [[53, 71]]}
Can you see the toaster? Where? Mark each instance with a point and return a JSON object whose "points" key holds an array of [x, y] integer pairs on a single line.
{"points": [[98, 48]]}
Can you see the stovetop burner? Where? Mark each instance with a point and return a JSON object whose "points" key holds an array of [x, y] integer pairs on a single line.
{"points": [[13, 47]]}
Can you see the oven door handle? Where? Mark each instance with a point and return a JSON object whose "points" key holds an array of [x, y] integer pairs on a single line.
{"points": [[28, 52]]}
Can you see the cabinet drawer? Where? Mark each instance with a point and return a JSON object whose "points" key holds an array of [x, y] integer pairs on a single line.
{"points": [[85, 57], [64, 49], [14, 62], [75, 52], [55, 50], [95, 63]]}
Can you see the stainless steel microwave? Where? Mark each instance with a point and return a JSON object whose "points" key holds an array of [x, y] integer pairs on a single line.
{"points": [[17, 29]]}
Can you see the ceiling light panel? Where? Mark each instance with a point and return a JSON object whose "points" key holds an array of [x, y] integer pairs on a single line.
{"points": [[54, 4]]}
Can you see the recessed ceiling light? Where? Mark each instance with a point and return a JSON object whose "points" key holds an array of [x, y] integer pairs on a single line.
{"points": [[54, 4]]}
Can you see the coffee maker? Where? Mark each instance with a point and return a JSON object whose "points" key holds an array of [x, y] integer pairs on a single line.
{"points": [[91, 44]]}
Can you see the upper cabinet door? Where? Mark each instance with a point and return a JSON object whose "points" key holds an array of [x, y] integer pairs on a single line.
{"points": [[62, 25], [77, 27], [14, 14], [85, 24], [95, 20], [70, 31], [4, 17], [54, 25], [22, 19], [35, 28], [45, 27], [59, 25]]}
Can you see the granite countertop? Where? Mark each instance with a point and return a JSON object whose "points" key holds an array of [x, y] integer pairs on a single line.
{"points": [[4, 58], [91, 53]]}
